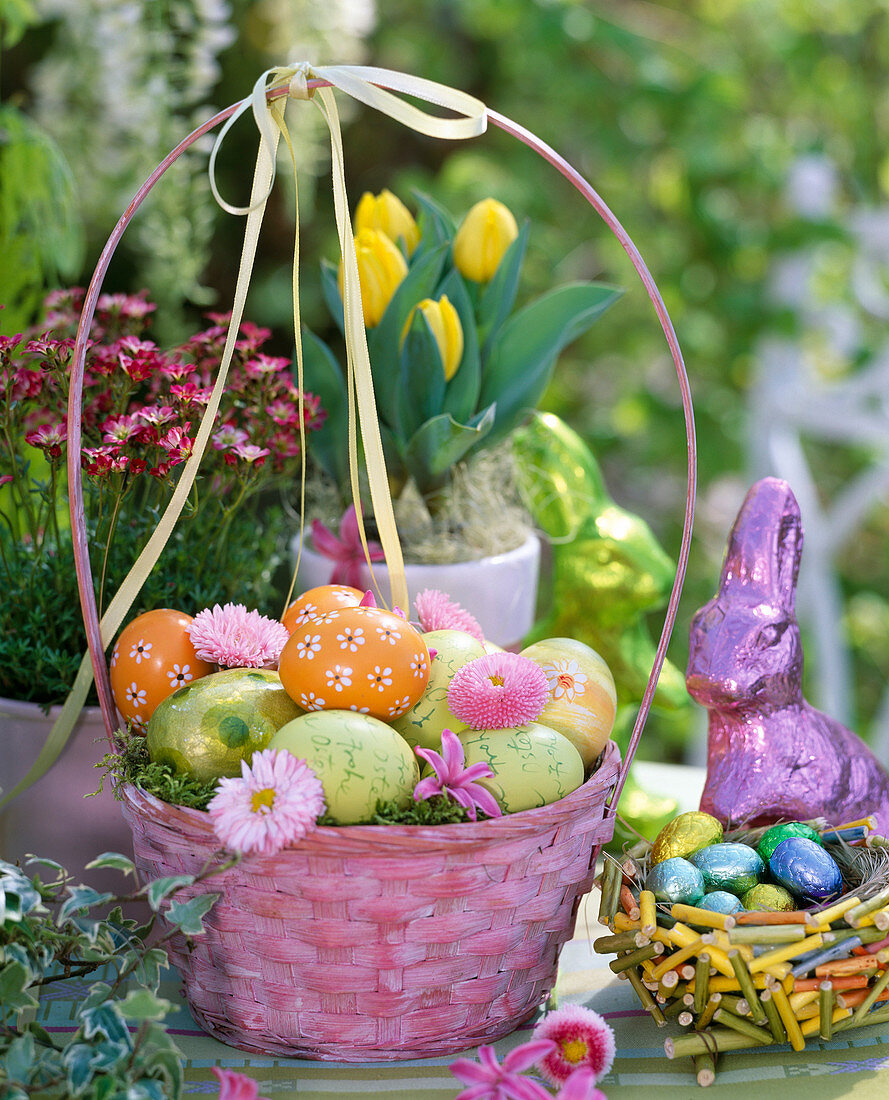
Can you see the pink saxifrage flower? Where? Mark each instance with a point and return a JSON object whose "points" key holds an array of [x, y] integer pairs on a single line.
{"points": [[235, 1086], [498, 691], [274, 803], [455, 780], [489, 1079], [346, 551], [581, 1038], [436, 611], [234, 637]]}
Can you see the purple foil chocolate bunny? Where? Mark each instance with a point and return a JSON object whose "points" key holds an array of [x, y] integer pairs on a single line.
{"points": [[770, 755]]}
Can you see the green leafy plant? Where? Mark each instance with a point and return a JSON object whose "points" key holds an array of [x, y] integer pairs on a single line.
{"points": [[54, 930], [456, 366]]}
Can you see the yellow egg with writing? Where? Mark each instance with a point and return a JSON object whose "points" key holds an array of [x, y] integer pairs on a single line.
{"points": [[424, 722], [359, 760], [582, 699]]}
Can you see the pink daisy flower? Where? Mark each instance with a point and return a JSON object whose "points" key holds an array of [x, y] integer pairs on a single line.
{"points": [[455, 780], [582, 1039], [498, 691], [491, 1080], [437, 612], [274, 803], [234, 637], [235, 1086]]}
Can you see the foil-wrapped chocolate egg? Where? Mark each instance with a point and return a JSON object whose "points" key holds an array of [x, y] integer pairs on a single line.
{"points": [[732, 867], [675, 880], [805, 869], [684, 835], [720, 901], [767, 896], [773, 837]]}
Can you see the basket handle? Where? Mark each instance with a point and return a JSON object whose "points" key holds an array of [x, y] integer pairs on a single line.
{"points": [[110, 624]]}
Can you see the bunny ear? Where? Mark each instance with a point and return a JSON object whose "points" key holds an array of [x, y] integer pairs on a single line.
{"points": [[766, 543]]}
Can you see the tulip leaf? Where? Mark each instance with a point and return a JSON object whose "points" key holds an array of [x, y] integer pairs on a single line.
{"points": [[384, 341], [499, 295], [323, 376], [440, 443], [461, 395], [421, 389], [526, 348], [330, 291], [437, 223], [396, 470]]}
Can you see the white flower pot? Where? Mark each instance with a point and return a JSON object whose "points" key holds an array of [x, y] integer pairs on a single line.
{"points": [[52, 818], [499, 591]]}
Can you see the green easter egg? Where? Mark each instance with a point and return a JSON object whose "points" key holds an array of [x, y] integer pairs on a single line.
{"points": [[358, 759], [208, 727], [773, 837], [533, 765], [423, 723], [767, 896]]}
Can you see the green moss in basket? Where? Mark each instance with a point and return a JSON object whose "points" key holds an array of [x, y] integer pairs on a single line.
{"points": [[438, 810], [132, 764]]}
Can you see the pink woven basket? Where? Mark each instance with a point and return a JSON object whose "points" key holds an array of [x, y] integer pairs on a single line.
{"points": [[377, 943]]}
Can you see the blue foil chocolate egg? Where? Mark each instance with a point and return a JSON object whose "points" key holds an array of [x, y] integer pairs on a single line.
{"points": [[805, 869], [732, 867], [720, 901], [675, 880]]}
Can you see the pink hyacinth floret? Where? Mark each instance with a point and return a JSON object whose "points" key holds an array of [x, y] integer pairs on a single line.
{"points": [[454, 779], [436, 611], [233, 637], [235, 1086], [274, 803], [498, 691], [347, 551], [489, 1079], [582, 1039]]}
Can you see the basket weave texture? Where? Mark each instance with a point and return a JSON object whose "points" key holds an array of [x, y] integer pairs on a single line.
{"points": [[380, 943]]}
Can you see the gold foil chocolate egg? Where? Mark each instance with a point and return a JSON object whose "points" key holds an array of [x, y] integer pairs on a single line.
{"points": [[685, 835], [766, 896]]}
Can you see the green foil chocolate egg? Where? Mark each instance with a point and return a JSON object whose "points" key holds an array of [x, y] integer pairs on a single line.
{"points": [[208, 727], [771, 839], [685, 835], [772, 898], [732, 867]]}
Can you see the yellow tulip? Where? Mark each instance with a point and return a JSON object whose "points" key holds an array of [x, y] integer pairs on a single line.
{"points": [[444, 322], [487, 231], [381, 267], [387, 213]]}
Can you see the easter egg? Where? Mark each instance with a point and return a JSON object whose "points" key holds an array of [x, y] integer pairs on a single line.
{"points": [[365, 659], [773, 837], [359, 760], [675, 880], [533, 765], [684, 835], [151, 659], [732, 867], [767, 896], [805, 869], [720, 901], [207, 728], [424, 722], [316, 601], [582, 699]]}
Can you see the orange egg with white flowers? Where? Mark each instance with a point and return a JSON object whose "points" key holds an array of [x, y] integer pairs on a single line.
{"points": [[316, 601], [152, 658], [365, 659]]}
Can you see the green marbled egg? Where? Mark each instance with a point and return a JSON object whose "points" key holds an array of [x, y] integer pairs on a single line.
{"points": [[533, 765], [358, 759], [423, 723], [208, 727]]}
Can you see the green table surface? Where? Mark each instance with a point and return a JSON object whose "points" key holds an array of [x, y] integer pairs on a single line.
{"points": [[855, 1064]]}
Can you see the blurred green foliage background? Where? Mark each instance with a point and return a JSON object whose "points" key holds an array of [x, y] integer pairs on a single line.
{"points": [[689, 119]]}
